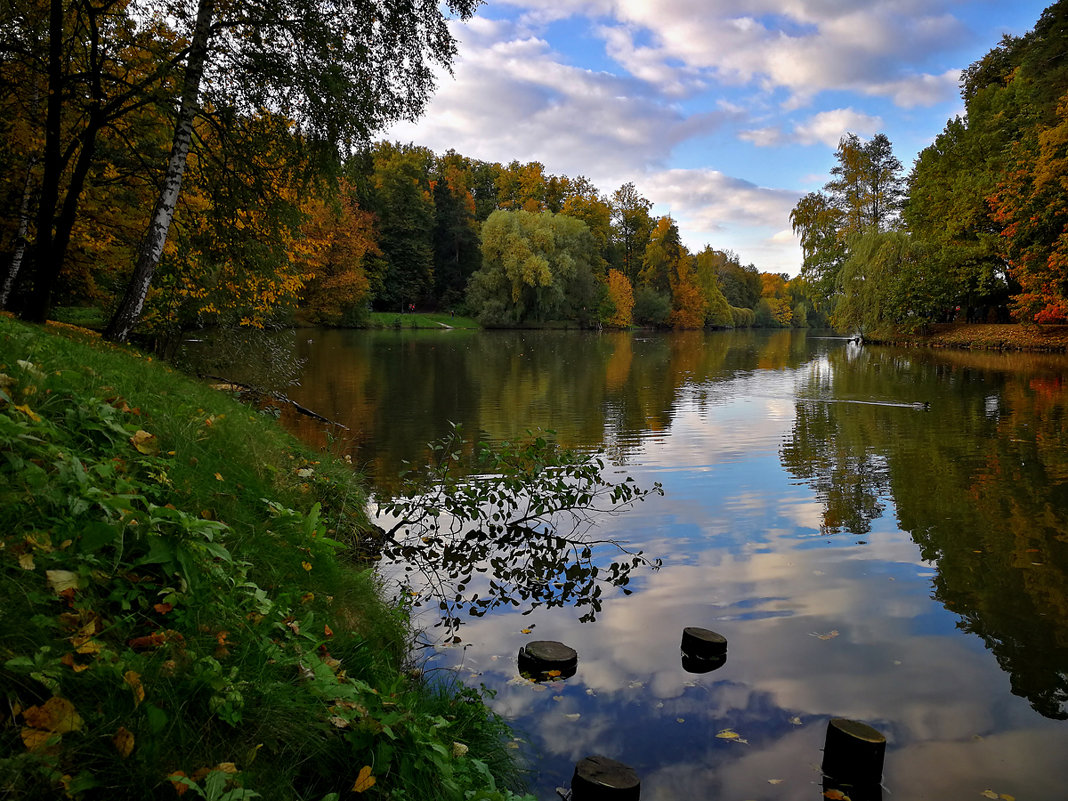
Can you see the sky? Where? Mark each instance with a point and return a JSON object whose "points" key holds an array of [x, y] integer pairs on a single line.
{"points": [[723, 113]]}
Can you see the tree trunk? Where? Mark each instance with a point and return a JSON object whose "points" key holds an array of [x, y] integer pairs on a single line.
{"points": [[52, 158], [20, 236], [151, 249]]}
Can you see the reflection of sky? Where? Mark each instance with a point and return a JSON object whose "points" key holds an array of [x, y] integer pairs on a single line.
{"points": [[819, 626]]}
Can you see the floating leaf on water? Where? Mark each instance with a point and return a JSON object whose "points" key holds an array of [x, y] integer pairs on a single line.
{"points": [[680, 720], [830, 635], [988, 794], [732, 735], [364, 781], [573, 716], [558, 698], [552, 674], [525, 631], [835, 795], [795, 720], [775, 781]]}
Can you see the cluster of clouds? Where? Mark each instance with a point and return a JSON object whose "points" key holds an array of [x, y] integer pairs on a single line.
{"points": [[618, 90]]}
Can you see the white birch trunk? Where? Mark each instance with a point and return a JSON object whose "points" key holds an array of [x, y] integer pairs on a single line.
{"points": [[151, 249]]}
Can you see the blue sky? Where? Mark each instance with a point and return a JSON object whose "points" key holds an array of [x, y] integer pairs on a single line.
{"points": [[721, 113]]}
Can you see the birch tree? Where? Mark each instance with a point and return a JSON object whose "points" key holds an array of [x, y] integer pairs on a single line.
{"points": [[339, 69]]}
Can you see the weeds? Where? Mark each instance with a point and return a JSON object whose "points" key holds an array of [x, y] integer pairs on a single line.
{"points": [[177, 615]]}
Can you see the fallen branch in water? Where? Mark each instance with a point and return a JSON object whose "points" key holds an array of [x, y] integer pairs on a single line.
{"points": [[278, 396]]}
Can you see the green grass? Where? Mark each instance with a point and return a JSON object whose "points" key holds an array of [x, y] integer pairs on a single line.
{"points": [[438, 320], [181, 606], [84, 316]]}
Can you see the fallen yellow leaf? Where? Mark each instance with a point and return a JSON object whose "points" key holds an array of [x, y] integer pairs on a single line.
{"points": [[26, 561], [365, 781], [306, 565], [218, 477], [835, 795], [133, 680], [61, 580], [30, 413], [124, 742], [56, 715], [145, 443]]}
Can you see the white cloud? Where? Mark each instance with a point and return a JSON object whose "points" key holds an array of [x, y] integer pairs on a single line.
{"points": [[828, 127]]}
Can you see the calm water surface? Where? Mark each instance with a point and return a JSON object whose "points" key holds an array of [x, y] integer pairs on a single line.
{"points": [[898, 565]]}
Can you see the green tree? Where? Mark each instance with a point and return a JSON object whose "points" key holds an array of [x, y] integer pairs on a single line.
{"points": [[890, 283], [405, 208], [717, 309], [632, 229], [340, 69], [535, 267]]}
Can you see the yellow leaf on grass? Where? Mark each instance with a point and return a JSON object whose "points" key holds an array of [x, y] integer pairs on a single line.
{"points": [[26, 561], [145, 443], [306, 565], [124, 742], [35, 739], [133, 680], [56, 715], [218, 477], [365, 781], [30, 413], [61, 580]]}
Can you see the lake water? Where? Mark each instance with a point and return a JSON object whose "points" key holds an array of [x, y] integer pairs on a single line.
{"points": [[880, 535]]}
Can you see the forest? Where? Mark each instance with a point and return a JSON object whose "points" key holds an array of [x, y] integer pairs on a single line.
{"points": [[177, 166], [976, 231], [180, 166]]}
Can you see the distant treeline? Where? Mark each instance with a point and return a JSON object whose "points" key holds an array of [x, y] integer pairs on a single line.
{"points": [[203, 166]]}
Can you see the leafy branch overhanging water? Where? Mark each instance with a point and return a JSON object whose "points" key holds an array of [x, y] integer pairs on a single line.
{"points": [[481, 527]]}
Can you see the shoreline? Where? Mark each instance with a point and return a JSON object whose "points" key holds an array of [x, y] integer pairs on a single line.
{"points": [[983, 336]]}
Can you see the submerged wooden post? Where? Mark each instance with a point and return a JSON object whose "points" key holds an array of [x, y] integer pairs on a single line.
{"points": [[598, 778], [543, 659], [702, 650], [853, 753]]}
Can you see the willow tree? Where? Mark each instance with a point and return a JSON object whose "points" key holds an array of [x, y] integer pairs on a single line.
{"points": [[340, 69]]}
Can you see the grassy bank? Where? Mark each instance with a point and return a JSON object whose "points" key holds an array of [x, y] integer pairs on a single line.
{"points": [[985, 336], [435, 320], [180, 613]]}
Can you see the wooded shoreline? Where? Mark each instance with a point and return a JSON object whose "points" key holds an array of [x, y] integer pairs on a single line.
{"points": [[983, 336]]}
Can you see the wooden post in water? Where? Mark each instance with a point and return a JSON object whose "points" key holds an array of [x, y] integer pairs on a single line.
{"points": [[598, 778], [853, 755], [702, 650], [543, 659]]}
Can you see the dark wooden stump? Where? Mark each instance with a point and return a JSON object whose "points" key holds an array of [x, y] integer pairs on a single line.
{"points": [[540, 657], [853, 752], [599, 778], [698, 643]]}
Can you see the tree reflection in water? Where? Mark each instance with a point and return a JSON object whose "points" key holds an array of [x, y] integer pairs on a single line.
{"points": [[980, 484]]}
